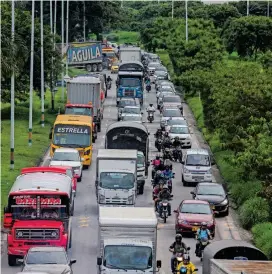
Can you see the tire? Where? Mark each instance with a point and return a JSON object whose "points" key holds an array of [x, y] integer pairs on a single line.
{"points": [[70, 240], [89, 67], [94, 67], [164, 218], [12, 260], [73, 209], [80, 178], [141, 190], [99, 67]]}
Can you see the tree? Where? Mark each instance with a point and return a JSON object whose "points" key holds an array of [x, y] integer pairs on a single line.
{"points": [[249, 35]]}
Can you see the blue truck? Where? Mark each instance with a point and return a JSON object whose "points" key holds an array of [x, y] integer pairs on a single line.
{"points": [[130, 81]]}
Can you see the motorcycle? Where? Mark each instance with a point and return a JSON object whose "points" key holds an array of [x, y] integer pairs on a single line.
{"points": [[159, 144], [164, 204], [150, 116], [183, 269], [203, 243], [177, 154], [148, 88], [109, 85], [179, 257]]}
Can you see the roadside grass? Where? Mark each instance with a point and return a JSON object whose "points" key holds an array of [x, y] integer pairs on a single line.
{"points": [[24, 155], [122, 37], [166, 61]]}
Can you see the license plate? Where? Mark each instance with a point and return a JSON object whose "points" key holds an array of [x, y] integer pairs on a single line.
{"points": [[198, 177], [213, 207], [195, 228]]}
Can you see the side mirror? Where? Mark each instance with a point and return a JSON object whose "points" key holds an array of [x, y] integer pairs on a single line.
{"points": [[20, 261], [142, 113], [196, 269], [182, 162], [174, 173], [72, 261], [171, 196], [188, 248], [50, 135], [99, 261], [148, 163], [175, 211], [82, 159], [148, 133], [228, 193], [159, 264], [192, 193]]}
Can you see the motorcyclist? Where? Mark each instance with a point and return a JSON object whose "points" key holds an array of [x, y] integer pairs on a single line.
{"points": [[203, 232], [151, 108], [176, 247], [164, 195], [158, 133], [157, 161], [109, 80], [186, 264], [167, 154], [168, 175], [177, 142], [158, 176], [166, 140], [147, 81]]}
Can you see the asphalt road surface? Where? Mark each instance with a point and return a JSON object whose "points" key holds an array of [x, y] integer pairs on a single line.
{"points": [[85, 220]]}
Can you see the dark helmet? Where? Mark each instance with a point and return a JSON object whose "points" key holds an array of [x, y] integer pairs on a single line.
{"points": [[178, 237], [186, 258], [157, 157], [176, 138], [151, 105], [166, 133]]}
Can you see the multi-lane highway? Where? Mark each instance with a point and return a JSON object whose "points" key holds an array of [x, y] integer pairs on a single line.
{"points": [[85, 220]]}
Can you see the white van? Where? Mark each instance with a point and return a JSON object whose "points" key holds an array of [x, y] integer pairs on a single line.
{"points": [[196, 167]]}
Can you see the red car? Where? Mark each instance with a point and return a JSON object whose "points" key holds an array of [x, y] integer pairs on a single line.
{"points": [[191, 213]]}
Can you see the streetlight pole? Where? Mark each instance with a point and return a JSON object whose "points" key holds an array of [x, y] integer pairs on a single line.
{"points": [[172, 9], [186, 19], [67, 35], [42, 66], [12, 90], [54, 40], [62, 51], [31, 75], [247, 7], [84, 21]]}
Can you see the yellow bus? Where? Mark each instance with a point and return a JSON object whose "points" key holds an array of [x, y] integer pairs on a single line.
{"points": [[73, 131]]}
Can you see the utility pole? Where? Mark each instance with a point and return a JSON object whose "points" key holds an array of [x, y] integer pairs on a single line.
{"points": [[67, 36], [84, 21], [186, 19], [31, 75], [54, 37], [42, 66], [247, 7], [62, 51], [121, 3], [172, 9], [12, 106]]}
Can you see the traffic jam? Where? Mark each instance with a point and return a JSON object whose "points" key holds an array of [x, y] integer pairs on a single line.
{"points": [[147, 153]]}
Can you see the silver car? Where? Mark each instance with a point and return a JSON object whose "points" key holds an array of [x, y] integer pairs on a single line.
{"points": [[167, 114], [125, 102], [49, 259]]}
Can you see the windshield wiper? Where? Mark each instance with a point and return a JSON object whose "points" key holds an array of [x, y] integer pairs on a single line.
{"points": [[117, 267]]}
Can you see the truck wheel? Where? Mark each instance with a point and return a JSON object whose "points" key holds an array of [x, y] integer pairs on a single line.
{"points": [[80, 178], [12, 260], [99, 67], [94, 67], [141, 190], [73, 209], [89, 67], [93, 139]]}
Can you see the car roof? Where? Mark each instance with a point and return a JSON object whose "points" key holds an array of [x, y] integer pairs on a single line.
{"points": [[131, 106], [195, 202], [174, 95], [197, 151], [131, 114], [208, 184], [66, 149], [67, 118], [169, 108], [46, 248]]}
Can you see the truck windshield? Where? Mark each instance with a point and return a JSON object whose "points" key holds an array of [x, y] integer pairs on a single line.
{"points": [[197, 160], [75, 135], [140, 160], [24, 207], [128, 257], [130, 82], [116, 180], [79, 111]]}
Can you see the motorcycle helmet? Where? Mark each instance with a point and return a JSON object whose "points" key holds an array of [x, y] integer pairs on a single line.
{"points": [[178, 237], [165, 187], [176, 138], [186, 258], [151, 105], [203, 225], [183, 270], [157, 157]]}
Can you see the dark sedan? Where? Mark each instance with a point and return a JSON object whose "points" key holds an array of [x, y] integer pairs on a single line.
{"points": [[215, 194]]}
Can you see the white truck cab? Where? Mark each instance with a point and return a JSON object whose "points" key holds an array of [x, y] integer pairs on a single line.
{"points": [[116, 177], [196, 167]]}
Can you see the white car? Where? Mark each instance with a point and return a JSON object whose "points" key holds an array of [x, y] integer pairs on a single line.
{"points": [[183, 132], [132, 117], [172, 101], [68, 157], [175, 121], [167, 113], [132, 110], [196, 167]]}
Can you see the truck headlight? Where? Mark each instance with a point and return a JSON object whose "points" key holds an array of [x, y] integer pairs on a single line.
{"points": [[19, 234], [209, 171], [102, 198], [225, 202], [186, 170], [54, 234], [131, 199]]}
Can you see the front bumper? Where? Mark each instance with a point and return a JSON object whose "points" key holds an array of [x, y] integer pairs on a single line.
{"points": [[186, 143], [220, 208], [193, 178], [189, 228]]}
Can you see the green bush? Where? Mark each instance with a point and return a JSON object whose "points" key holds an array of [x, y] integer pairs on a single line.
{"points": [[243, 191], [21, 113], [113, 38], [262, 235], [254, 211]]}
